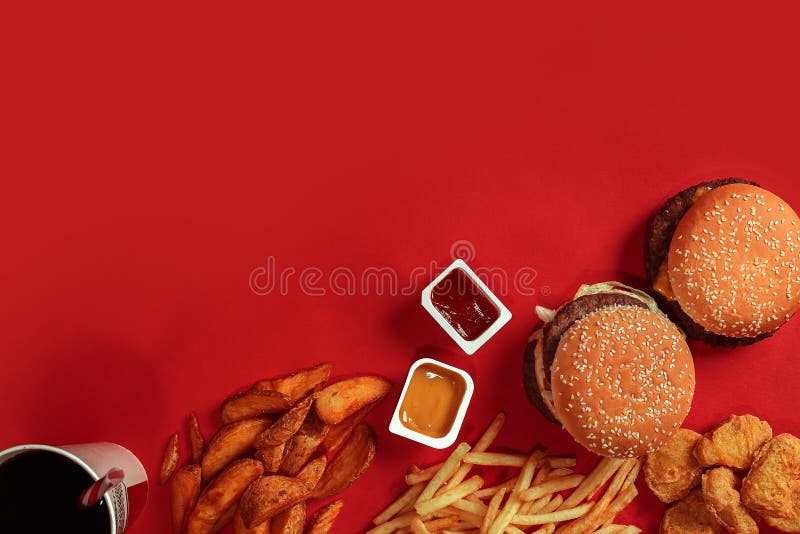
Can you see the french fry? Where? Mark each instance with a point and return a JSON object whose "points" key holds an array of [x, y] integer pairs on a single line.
{"points": [[170, 459], [232, 441], [408, 497], [184, 490], [483, 443], [342, 399], [596, 517], [297, 385], [448, 468], [222, 494], [418, 527], [488, 492], [252, 403], [388, 527], [561, 461], [559, 472], [449, 497], [495, 459], [312, 471], [340, 431], [271, 457], [423, 475], [533, 507], [512, 505], [477, 508], [224, 520], [269, 495], [324, 518], [286, 426], [553, 517], [604, 470], [290, 521], [196, 440], [240, 528], [553, 485], [492, 510], [350, 463], [553, 505], [302, 445], [618, 529], [441, 523]]}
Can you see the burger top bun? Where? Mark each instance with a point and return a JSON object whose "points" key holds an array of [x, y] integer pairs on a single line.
{"points": [[734, 261], [622, 381]]}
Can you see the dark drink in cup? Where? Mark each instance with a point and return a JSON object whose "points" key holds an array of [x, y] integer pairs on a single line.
{"points": [[39, 493], [41, 487]]}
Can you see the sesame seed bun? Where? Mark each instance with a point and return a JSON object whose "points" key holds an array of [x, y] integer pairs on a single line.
{"points": [[734, 261], [622, 381]]}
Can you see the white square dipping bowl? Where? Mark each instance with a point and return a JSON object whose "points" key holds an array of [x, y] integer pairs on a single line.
{"points": [[397, 427], [466, 345]]}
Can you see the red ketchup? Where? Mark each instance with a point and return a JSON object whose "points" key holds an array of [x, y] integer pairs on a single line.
{"points": [[463, 305]]}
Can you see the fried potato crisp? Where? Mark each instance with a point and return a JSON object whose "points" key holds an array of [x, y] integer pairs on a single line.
{"points": [[353, 459], [733, 443], [342, 399], [232, 441], [298, 385], [252, 404], [721, 494], [222, 494], [672, 471], [184, 490], [689, 516], [323, 520], [267, 496]]}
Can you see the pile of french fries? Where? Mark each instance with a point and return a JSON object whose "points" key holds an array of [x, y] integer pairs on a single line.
{"points": [[271, 456], [445, 498]]}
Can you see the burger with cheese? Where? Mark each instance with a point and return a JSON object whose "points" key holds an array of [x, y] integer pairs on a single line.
{"points": [[612, 369], [724, 260]]}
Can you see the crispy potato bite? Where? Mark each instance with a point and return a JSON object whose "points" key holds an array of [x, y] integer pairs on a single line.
{"points": [[689, 516], [721, 494], [772, 488], [733, 443], [672, 471]]}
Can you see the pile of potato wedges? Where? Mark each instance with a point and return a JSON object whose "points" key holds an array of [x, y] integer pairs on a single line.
{"points": [[283, 442]]}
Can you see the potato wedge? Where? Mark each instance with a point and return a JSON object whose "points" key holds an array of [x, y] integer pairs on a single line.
{"points": [[353, 459], [299, 384], [290, 521], [224, 520], [286, 426], [240, 528], [340, 431], [196, 440], [342, 399], [302, 445], [252, 404], [271, 457], [222, 494], [324, 518], [170, 459], [184, 491], [312, 471], [267, 496], [232, 441]]}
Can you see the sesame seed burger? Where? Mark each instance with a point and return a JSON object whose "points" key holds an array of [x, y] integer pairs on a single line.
{"points": [[724, 259], [611, 369]]}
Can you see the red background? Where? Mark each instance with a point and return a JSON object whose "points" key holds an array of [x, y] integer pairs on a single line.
{"points": [[153, 157]]}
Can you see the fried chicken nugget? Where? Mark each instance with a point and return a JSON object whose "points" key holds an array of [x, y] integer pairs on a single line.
{"points": [[689, 516], [772, 488], [733, 443], [672, 471], [721, 492]]}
